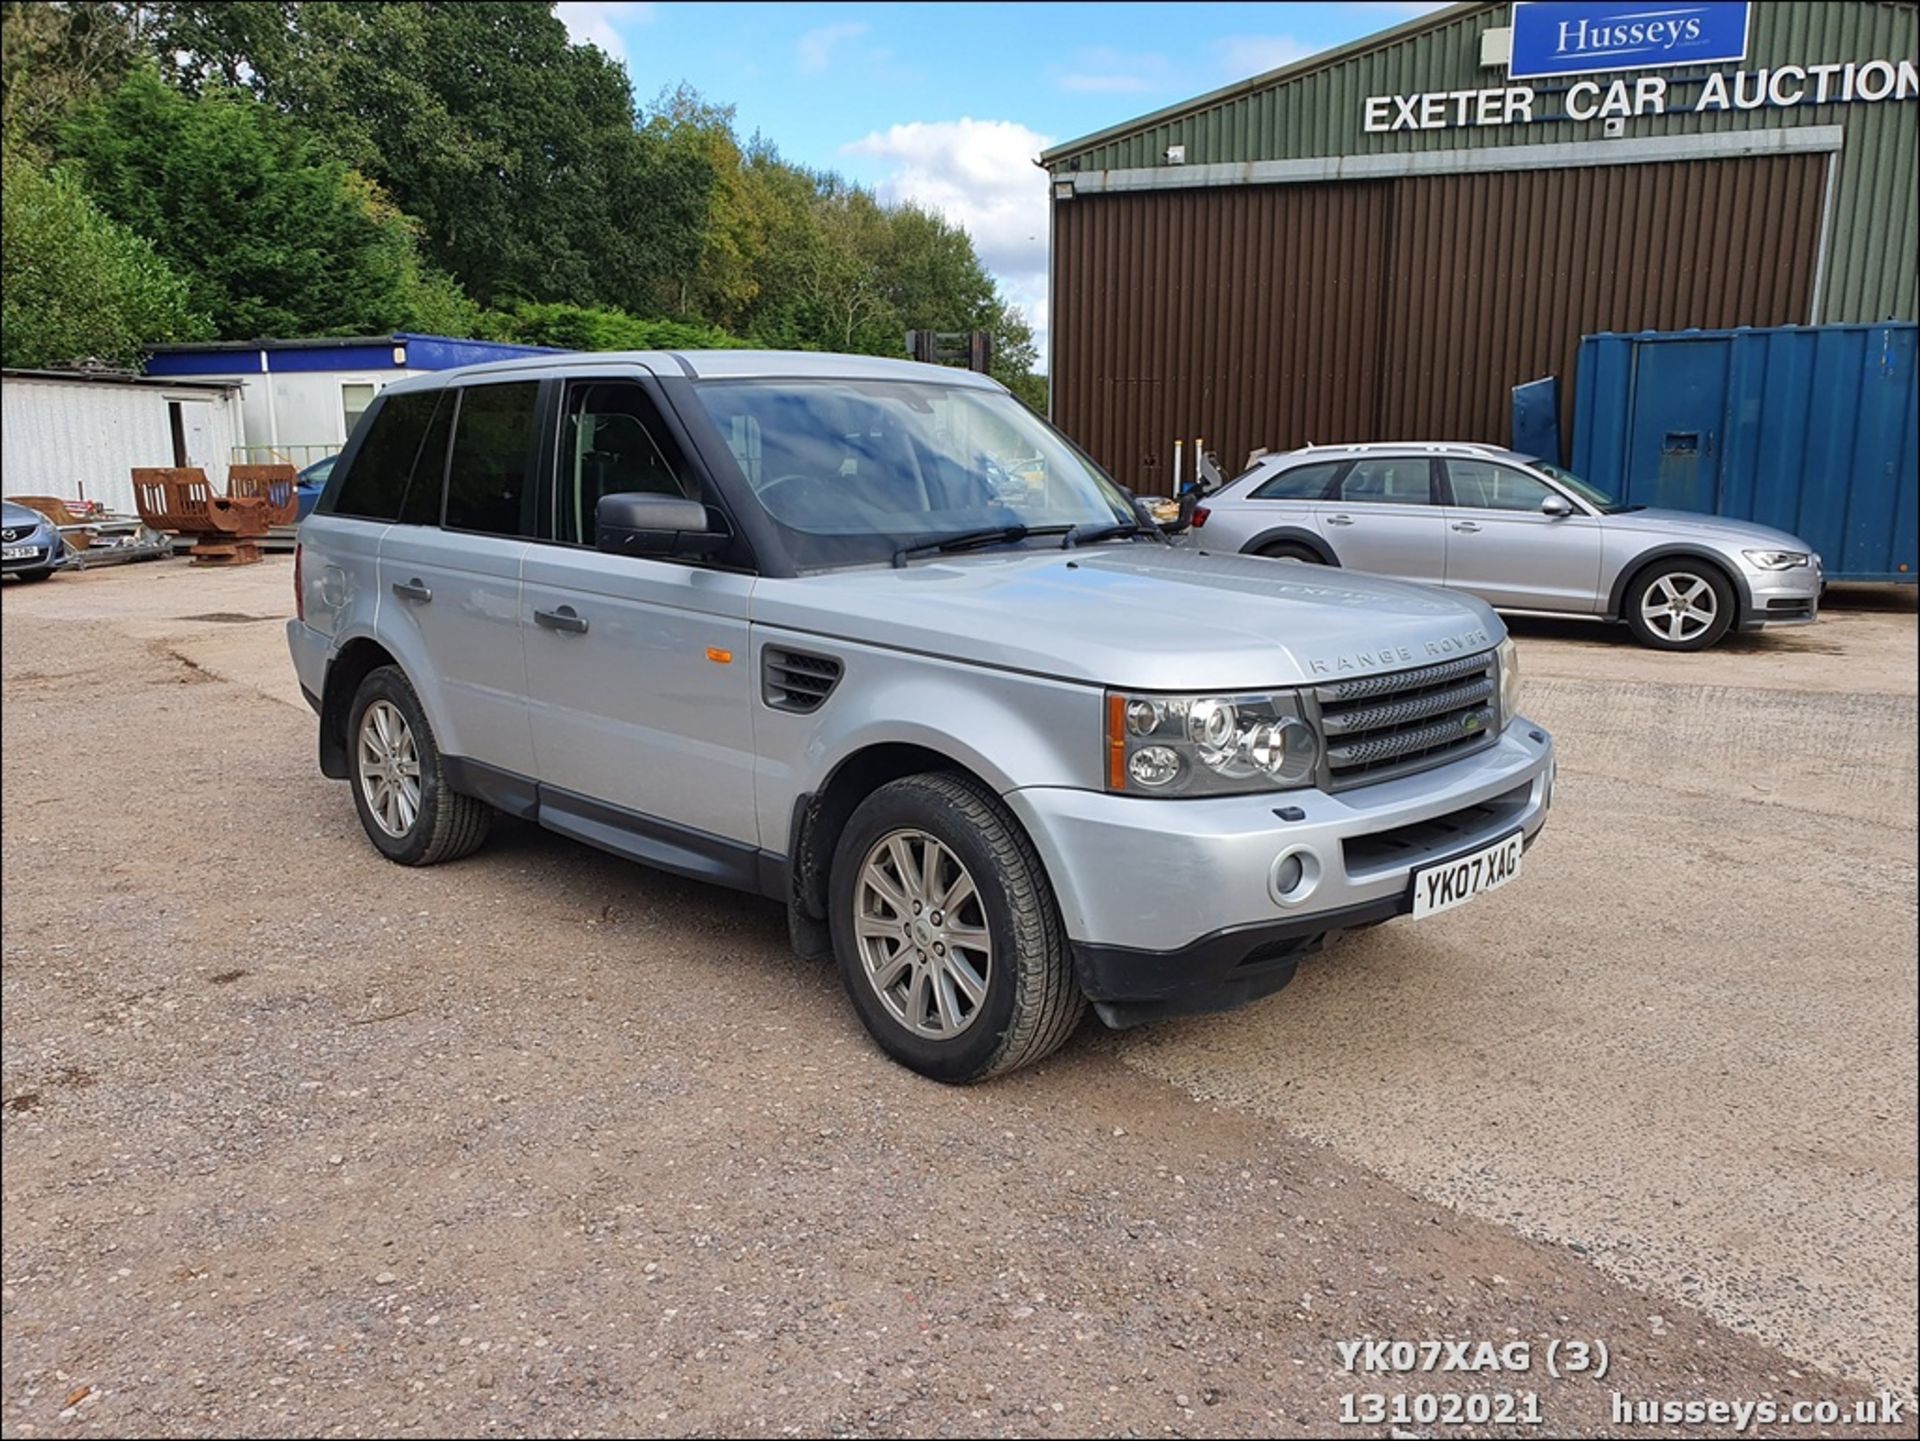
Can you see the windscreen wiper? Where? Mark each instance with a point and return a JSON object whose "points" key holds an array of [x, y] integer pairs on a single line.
{"points": [[972, 539], [1093, 535]]}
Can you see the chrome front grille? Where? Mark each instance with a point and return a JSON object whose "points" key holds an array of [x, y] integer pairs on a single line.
{"points": [[1390, 724]]}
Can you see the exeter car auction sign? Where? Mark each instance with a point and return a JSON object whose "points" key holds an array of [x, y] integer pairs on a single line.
{"points": [[1559, 37], [1553, 38]]}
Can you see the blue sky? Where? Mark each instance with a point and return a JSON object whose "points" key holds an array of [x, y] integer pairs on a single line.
{"points": [[947, 104]]}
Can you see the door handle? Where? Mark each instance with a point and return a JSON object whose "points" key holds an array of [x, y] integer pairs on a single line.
{"points": [[1466, 526], [565, 619], [412, 590], [1339, 520]]}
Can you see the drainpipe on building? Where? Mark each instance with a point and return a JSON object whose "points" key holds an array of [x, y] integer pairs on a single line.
{"points": [[273, 419]]}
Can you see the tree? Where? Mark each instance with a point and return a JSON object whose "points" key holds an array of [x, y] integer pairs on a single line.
{"points": [[575, 327], [517, 151], [74, 284], [273, 236], [53, 58]]}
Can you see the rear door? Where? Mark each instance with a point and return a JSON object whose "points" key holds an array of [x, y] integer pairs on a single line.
{"points": [[1382, 515], [638, 668], [450, 581], [1502, 548]]}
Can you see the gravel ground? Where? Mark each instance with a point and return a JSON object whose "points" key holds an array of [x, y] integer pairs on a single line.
{"points": [[298, 1141]]}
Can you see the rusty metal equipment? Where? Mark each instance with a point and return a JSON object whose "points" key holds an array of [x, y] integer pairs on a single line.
{"points": [[277, 484], [226, 528]]}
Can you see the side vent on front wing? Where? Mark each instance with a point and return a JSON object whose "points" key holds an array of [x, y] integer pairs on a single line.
{"points": [[797, 680]]}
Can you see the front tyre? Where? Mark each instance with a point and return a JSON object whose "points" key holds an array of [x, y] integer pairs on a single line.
{"points": [[947, 934], [399, 785], [1679, 605]]}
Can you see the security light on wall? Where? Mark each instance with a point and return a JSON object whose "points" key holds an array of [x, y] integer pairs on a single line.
{"points": [[1176, 155], [1063, 190]]}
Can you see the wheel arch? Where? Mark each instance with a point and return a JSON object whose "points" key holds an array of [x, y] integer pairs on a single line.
{"points": [[1633, 570], [1294, 535], [357, 659], [820, 816]]}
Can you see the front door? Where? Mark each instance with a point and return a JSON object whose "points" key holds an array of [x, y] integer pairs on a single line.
{"points": [[1382, 516], [638, 669], [1503, 548]]}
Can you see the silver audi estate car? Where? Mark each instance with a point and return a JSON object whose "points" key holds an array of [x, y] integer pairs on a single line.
{"points": [[1520, 533]]}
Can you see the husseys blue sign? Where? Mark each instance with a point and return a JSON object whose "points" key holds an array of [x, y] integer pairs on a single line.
{"points": [[1561, 37]]}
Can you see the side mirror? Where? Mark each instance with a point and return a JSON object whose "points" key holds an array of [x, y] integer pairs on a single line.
{"points": [[640, 523], [1556, 506]]}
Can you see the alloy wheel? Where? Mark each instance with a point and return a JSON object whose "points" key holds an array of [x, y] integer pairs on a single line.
{"points": [[1679, 606], [922, 933], [389, 768]]}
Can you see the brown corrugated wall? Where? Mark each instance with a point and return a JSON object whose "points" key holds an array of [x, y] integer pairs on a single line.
{"points": [[1271, 315]]}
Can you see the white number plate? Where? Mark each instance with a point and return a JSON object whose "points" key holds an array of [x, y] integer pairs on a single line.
{"points": [[21, 552], [1440, 888]]}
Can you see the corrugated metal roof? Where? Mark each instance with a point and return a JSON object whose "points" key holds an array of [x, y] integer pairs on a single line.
{"points": [[121, 377]]}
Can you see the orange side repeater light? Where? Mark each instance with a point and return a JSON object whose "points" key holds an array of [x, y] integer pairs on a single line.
{"points": [[718, 656], [1116, 742]]}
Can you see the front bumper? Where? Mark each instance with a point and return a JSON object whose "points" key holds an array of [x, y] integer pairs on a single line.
{"points": [[47, 555], [1169, 904], [1782, 597]]}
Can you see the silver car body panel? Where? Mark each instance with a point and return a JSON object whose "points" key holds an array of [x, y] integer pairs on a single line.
{"points": [[1141, 616]]}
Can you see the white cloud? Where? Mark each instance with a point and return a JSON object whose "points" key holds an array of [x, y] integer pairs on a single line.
{"points": [[596, 22], [1242, 56], [815, 48], [980, 175]]}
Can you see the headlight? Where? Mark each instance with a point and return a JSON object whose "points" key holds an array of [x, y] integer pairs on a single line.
{"points": [[1509, 661], [1206, 745], [1776, 559]]}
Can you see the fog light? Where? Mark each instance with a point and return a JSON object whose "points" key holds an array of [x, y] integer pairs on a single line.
{"points": [[1153, 767], [1294, 876]]}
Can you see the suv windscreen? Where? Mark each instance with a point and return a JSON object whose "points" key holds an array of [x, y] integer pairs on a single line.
{"points": [[852, 471]]}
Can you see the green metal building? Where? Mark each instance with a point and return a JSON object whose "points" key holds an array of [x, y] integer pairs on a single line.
{"points": [[1381, 240]]}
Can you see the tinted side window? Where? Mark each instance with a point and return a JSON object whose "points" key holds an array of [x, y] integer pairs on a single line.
{"points": [[1303, 482], [487, 480], [1399, 481], [1483, 485], [422, 505], [376, 483], [612, 442]]}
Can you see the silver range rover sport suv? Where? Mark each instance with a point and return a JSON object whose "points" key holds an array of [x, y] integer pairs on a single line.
{"points": [[1520, 533], [871, 639]]}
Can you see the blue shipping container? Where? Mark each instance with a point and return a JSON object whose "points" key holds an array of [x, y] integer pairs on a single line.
{"points": [[1814, 429]]}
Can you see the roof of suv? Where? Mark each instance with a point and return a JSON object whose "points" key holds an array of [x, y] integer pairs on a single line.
{"points": [[719, 365]]}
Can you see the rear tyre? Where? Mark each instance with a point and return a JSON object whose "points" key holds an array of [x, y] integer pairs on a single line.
{"points": [[1291, 550], [947, 933], [1679, 605], [400, 788]]}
